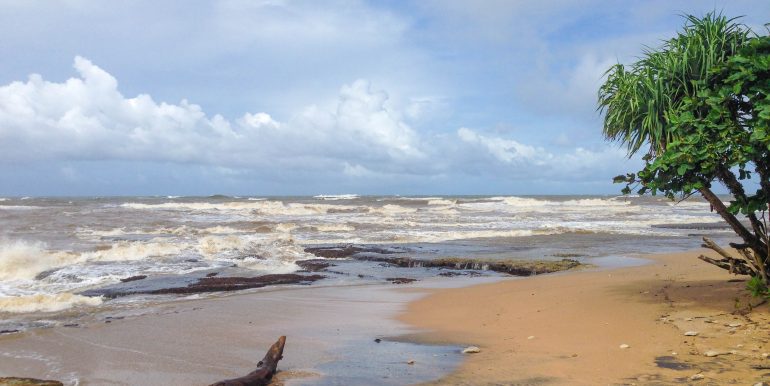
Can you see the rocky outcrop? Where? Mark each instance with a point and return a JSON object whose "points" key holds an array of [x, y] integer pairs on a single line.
{"points": [[209, 284], [386, 256]]}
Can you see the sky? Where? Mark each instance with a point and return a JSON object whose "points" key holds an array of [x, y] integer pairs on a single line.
{"points": [[319, 97]]}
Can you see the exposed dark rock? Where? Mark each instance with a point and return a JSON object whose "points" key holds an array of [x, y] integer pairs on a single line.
{"points": [[385, 256], [511, 267], [212, 274], [133, 278], [210, 284], [314, 265], [401, 280], [342, 252], [15, 381]]}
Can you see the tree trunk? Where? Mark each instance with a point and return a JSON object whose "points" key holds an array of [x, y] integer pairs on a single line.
{"points": [[265, 368], [734, 223]]}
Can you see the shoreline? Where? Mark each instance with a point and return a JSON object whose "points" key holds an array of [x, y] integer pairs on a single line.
{"points": [[568, 328], [331, 332]]}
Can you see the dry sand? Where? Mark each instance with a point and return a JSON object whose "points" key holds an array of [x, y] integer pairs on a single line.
{"points": [[569, 328]]}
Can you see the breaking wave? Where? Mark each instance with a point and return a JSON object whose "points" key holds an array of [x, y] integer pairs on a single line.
{"points": [[45, 302], [335, 197]]}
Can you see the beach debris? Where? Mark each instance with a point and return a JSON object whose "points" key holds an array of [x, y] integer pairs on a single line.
{"points": [[734, 325], [696, 377], [688, 319], [691, 333], [377, 340], [624, 346], [531, 337], [16, 381], [11, 331], [713, 353], [265, 370], [410, 362], [761, 384], [471, 350], [765, 355], [735, 266]]}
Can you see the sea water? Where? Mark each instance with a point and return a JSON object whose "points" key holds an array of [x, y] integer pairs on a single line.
{"points": [[53, 249]]}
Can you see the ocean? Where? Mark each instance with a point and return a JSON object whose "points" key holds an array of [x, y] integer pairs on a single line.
{"points": [[53, 251]]}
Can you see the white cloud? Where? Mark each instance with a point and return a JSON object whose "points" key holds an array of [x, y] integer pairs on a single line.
{"points": [[87, 117], [517, 160], [504, 150]]}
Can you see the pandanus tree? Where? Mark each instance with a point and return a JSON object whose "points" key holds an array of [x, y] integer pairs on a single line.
{"points": [[699, 109]]}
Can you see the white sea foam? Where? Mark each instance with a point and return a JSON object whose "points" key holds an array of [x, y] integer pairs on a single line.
{"points": [[275, 253], [334, 228], [391, 210], [432, 237], [193, 206], [19, 207], [335, 197], [45, 302], [126, 251], [442, 202], [23, 260]]}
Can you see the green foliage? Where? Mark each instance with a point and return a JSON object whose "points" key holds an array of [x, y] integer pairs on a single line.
{"points": [[724, 127], [757, 288], [701, 103], [637, 99]]}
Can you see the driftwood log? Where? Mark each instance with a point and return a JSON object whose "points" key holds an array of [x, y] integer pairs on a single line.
{"points": [[733, 265], [265, 368]]}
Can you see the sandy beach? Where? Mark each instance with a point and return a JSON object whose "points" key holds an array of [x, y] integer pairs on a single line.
{"points": [[567, 329], [556, 329]]}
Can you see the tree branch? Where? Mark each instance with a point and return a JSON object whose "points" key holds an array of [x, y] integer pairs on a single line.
{"points": [[736, 188], [731, 220]]}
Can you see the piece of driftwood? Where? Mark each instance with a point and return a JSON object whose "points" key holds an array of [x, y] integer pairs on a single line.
{"points": [[265, 368], [731, 264]]}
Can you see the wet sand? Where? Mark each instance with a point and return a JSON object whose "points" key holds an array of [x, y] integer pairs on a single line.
{"points": [[330, 330], [567, 329]]}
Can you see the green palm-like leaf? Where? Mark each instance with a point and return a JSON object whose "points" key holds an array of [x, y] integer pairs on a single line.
{"points": [[636, 100]]}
